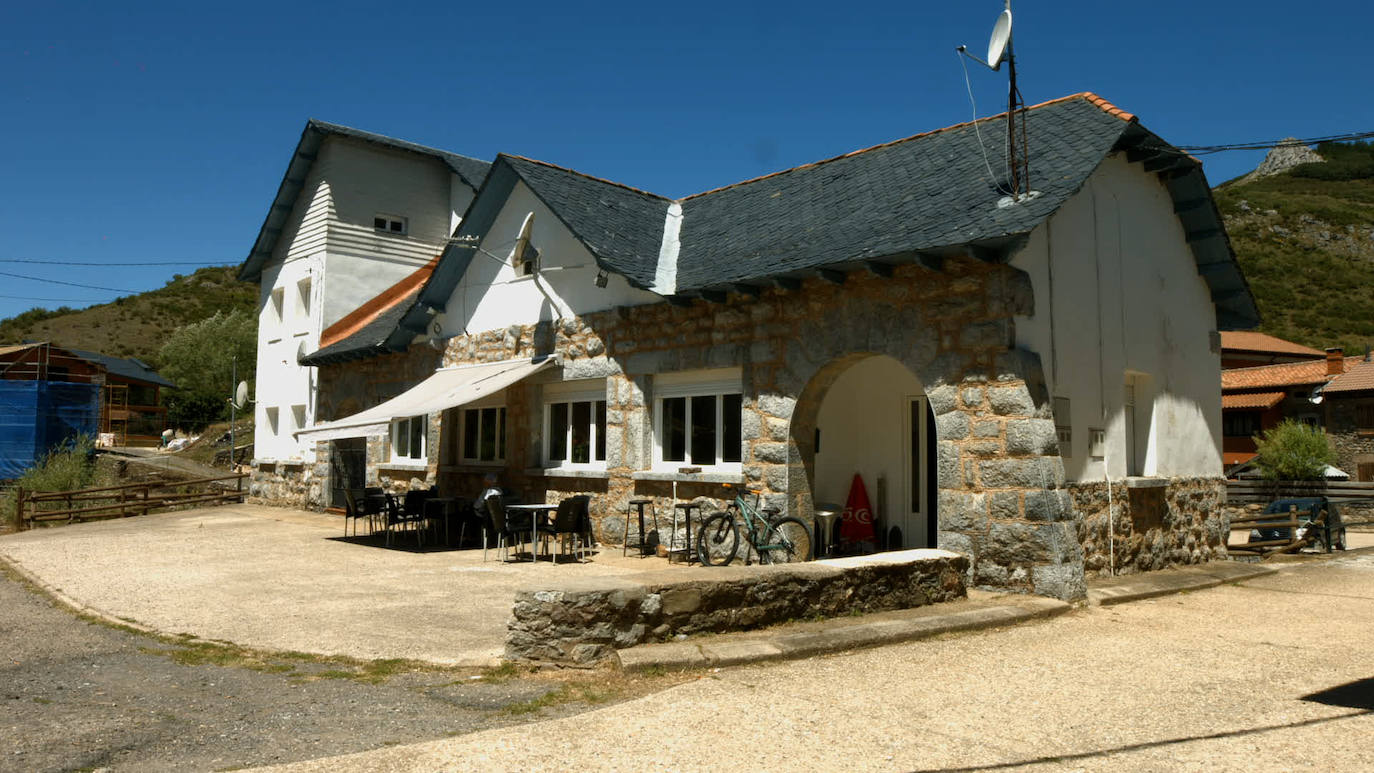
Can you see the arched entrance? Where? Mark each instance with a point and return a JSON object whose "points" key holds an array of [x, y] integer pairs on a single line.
{"points": [[874, 420]]}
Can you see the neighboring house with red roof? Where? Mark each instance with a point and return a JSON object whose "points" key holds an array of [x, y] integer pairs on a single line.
{"points": [[1349, 403], [984, 361], [1248, 349]]}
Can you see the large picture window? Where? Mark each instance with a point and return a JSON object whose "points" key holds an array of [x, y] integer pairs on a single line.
{"points": [[698, 421], [483, 434], [408, 438], [575, 425]]}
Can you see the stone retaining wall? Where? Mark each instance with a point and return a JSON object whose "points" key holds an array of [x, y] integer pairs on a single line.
{"points": [[583, 622], [1157, 523]]}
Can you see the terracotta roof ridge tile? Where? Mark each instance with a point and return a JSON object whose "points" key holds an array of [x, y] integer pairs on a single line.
{"points": [[1087, 96], [375, 306]]}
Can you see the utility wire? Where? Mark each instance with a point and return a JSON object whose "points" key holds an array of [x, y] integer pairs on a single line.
{"points": [[68, 284], [54, 300], [150, 263]]}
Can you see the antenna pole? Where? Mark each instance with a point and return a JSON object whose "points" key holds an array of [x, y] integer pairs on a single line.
{"points": [[1011, 123], [233, 405]]}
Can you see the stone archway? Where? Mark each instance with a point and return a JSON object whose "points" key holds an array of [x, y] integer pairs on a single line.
{"points": [[999, 476]]}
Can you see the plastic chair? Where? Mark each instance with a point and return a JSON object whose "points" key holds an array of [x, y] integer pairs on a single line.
{"points": [[570, 524], [496, 524], [396, 515], [354, 510]]}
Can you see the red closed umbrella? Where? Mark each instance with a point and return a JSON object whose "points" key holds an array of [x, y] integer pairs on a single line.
{"points": [[856, 524]]}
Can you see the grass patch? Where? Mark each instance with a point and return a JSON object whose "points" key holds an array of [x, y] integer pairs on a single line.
{"points": [[568, 693]]}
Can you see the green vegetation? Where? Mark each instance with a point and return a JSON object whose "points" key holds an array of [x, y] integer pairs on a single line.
{"points": [[66, 468], [137, 325], [1305, 240], [198, 359], [1293, 451]]}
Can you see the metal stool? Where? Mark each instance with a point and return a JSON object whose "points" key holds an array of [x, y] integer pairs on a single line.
{"points": [[642, 546], [686, 509], [826, 514]]}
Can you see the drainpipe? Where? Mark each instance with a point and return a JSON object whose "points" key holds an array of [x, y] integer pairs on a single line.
{"points": [[1111, 519]]}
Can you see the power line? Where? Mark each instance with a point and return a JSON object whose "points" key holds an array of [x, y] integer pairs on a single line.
{"points": [[1265, 145], [68, 284], [54, 300], [117, 263]]}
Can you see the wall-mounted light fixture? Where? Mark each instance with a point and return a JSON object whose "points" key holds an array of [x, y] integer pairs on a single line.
{"points": [[601, 279]]}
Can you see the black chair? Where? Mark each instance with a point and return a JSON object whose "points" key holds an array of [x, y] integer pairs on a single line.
{"points": [[518, 525], [495, 510], [355, 510], [571, 524], [398, 515]]}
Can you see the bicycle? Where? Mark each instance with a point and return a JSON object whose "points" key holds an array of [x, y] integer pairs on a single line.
{"points": [[777, 540]]}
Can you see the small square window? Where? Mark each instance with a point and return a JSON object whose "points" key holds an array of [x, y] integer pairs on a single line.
{"points": [[391, 224], [1097, 444], [408, 438]]}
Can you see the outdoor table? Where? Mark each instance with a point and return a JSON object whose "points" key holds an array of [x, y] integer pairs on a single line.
{"points": [[826, 514], [534, 511]]}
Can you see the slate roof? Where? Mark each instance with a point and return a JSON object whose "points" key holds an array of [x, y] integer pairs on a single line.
{"points": [[920, 193], [621, 226], [130, 368], [471, 171], [930, 194], [369, 339], [1251, 341]]}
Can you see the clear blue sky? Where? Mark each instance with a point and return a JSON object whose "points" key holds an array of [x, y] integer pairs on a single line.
{"points": [[159, 132]]}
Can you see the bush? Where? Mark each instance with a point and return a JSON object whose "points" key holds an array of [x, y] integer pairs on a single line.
{"points": [[1342, 161], [1293, 451], [65, 468]]}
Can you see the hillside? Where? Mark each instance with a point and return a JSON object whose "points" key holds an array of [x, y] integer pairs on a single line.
{"points": [[136, 325], [1305, 239]]}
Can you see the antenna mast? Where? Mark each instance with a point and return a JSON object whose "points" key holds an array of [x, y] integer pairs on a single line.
{"points": [[1000, 50]]}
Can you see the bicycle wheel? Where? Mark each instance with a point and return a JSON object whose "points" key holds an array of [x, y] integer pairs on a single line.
{"points": [[788, 541], [718, 540]]}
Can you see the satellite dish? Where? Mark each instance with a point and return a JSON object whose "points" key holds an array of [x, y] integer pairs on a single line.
{"points": [[241, 395], [1001, 39]]}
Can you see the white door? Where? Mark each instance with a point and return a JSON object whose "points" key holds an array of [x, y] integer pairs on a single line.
{"points": [[913, 501]]}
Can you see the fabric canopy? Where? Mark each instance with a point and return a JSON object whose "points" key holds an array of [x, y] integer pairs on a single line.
{"points": [[447, 388]]}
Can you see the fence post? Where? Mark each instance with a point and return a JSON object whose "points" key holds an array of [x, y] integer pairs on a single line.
{"points": [[145, 500], [19, 508]]}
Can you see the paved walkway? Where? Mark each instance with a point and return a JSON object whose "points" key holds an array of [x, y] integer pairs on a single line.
{"points": [[284, 580], [1272, 674]]}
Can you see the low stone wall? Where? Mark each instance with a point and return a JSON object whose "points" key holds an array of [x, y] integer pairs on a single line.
{"points": [[1157, 523], [581, 622]]}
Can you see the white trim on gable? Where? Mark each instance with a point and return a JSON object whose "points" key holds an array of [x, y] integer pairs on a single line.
{"points": [[665, 273]]}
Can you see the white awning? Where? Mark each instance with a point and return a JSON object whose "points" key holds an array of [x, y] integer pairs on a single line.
{"points": [[447, 388]]}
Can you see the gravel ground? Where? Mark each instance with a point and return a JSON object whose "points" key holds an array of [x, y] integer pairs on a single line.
{"points": [[77, 695], [1272, 674]]}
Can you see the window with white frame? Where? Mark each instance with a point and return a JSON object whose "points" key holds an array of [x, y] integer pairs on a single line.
{"points": [[389, 224], [483, 434], [575, 424], [408, 438], [698, 420]]}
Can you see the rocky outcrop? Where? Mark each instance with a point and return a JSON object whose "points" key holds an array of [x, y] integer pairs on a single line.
{"points": [[1284, 156]]}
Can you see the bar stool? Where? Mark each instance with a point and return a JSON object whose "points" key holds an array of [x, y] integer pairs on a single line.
{"points": [[686, 509], [641, 546]]}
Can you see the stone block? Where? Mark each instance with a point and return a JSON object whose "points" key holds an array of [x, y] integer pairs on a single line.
{"points": [[985, 335], [775, 477], [942, 398], [751, 425], [972, 396], [762, 351], [1011, 401], [681, 600], [1004, 505], [1038, 472], [1060, 581], [947, 463], [1029, 437], [1015, 543], [962, 511], [590, 367], [778, 406], [1048, 505], [952, 426], [775, 453], [987, 429], [778, 429]]}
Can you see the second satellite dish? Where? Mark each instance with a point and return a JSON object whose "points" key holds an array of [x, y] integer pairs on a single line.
{"points": [[241, 395], [1001, 39]]}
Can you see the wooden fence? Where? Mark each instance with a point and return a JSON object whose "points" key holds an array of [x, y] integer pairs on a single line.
{"points": [[34, 507], [1245, 492]]}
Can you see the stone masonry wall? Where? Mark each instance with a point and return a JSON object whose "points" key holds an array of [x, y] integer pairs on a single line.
{"points": [[343, 390], [1000, 476], [1156, 526], [582, 622]]}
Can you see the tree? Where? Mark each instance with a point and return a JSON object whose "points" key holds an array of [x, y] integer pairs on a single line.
{"points": [[198, 359], [1293, 451]]}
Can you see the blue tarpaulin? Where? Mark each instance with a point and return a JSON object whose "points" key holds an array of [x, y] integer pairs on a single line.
{"points": [[37, 415]]}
